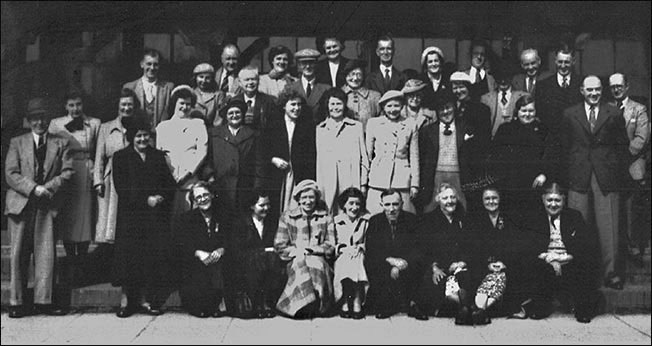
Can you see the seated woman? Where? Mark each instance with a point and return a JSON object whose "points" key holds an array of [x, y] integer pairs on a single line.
{"points": [[204, 238], [259, 262], [350, 275], [305, 239]]}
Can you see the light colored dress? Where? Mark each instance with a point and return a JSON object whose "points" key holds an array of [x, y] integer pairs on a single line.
{"points": [[342, 160], [310, 277], [272, 86], [350, 248], [76, 222], [185, 140], [110, 139]]}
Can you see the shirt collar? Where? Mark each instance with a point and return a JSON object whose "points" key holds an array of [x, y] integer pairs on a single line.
{"points": [[147, 83], [247, 99], [587, 108], [483, 72], [383, 68], [36, 137], [560, 79]]}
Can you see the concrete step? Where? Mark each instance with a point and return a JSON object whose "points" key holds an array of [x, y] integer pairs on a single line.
{"points": [[632, 297]]}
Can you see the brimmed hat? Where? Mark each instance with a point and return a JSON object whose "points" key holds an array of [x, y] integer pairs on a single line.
{"points": [[181, 87], [234, 103], [460, 76], [413, 85], [304, 185], [391, 94], [36, 107], [203, 68], [429, 50], [306, 54]]}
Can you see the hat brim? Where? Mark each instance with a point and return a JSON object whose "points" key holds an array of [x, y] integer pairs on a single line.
{"points": [[406, 91]]}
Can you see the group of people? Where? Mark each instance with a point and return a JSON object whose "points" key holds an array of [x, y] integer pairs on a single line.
{"points": [[337, 188]]}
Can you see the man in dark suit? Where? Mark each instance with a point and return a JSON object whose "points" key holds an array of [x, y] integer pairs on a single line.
{"points": [[37, 167], [558, 92], [387, 77], [392, 257], [531, 64], [308, 86], [330, 71], [260, 106], [566, 257], [594, 148], [153, 93], [226, 76], [481, 81]]}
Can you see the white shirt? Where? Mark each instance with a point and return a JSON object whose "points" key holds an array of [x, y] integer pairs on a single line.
{"points": [[234, 132], [259, 226], [587, 109], [149, 88], [556, 223], [289, 126], [305, 82], [503, 108], [252, 99], [384, 68], [560, 79], [333, 68], [472, 74], [36, 137], [530, 80], [435, 83]]}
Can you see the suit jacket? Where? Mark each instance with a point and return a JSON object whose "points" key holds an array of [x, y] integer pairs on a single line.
{"points": [[318, 89], [602, 152], [430, 97], [163, 91], [323, 72], [21, 169], [638, 131], [492, 100], [519, 82], [380, 245], [234, 83], [551, 99], [376, 81], [264, 108], [478, 89], [393, 153], [477, 115]]}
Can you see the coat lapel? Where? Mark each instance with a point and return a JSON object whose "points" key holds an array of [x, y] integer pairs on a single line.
{"points": [[581, 117], [603, 115], [160, 100], [140, 92], [28, 145], [50, 155]]}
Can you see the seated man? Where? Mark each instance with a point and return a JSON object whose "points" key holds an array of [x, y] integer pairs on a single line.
{"points": [[391, 259]]}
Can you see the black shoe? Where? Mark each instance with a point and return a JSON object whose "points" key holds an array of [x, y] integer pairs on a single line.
{"points": [[582, 318], [148, 309], [218, 313], [49, 309], [126, 311], [198, 313], [17, 311], [384, 314], [345, 314], [464, 317], [480, 317], [357, 315], [417, 313]]}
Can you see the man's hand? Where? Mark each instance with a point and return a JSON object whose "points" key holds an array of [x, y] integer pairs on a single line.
{"points": [[280, 163], [394, 273], [539, 181], [153, 201], [42, 191], [100, 190], [437, 275]]}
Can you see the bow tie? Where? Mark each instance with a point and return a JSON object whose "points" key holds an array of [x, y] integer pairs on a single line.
{"points": [[76, 124]]}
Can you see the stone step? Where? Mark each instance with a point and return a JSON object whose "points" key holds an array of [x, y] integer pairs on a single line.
{"points": [[632, 297]]}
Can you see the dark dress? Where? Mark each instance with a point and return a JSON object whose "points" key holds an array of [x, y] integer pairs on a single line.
{"points": [[384, 293], [143, 239], [202, 285]]}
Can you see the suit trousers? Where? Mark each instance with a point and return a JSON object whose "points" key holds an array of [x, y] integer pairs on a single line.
{"points": [[601, 210], [32, 232]]}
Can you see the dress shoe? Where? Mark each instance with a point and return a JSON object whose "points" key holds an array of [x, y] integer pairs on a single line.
{"points": [[218, 313], [384, 314], [17, 311], [148, 309], [125, 311], [480, 317], [198, 313], [464, 317], [49, 309], [415, 312], [582, 318], [357, 315], [269, 313], [345, 314]]}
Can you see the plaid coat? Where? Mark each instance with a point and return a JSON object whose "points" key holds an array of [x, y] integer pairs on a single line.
{"points": [[310, 277]]}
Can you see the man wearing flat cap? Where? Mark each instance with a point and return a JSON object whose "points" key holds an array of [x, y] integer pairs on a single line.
{"points": [[152, 92], [37, 167], [307, 85]]}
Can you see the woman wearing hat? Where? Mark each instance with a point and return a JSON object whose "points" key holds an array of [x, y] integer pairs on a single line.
{"points": [[341, 153], [232, 154], [362, 102], [208, 97], [393, 149], [185, 141], [432, 63], [305, 239], [413, 91], [279, 58]]}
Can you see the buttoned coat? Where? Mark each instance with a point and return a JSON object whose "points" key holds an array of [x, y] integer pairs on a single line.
{"points": [[342, 160], [519, 82], [207, 107], [323, 72], [638, 131], [393, 149], [603, 152], [264, 109], [163, 91], [476, 90], [362, 103], [492, 100], [318, 89], [376, 81]]}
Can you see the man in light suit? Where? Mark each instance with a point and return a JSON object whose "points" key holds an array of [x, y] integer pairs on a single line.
{"points": [[638, 132], [260, 106], [531, 64], [481, 81], [308, 86], [387, 77], [594, 147], [153, 93], [502, 100], [37, 166], [330, 71], [227, 75]]}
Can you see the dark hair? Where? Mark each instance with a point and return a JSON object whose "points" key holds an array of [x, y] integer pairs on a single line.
{"points": [[522, 102], [74, 94], [389, 192], [135, 124], [336, 93], [479, 43], [355, 193], [553, 187], [321, 40], [278, 50], [446, 97], [252, 198], [491, 188], [564, 48], [287, 95], [126, 92], [151, 52], [442, 61], [181, 94]]}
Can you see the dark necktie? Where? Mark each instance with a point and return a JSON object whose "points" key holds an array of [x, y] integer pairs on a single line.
{"points": [[477, 76], [592, 118], [392, 228], [225, 82], [40, 158], [503, 98], [447, 130], [308, 89], [387, 79], [530, 84], [564, 83], [619, 104], [39, 142], [249, 117]]}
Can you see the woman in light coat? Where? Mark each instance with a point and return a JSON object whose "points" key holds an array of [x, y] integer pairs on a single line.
{"points": [[393, 148], [110, 139], [342, 160], [209, 99]]}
